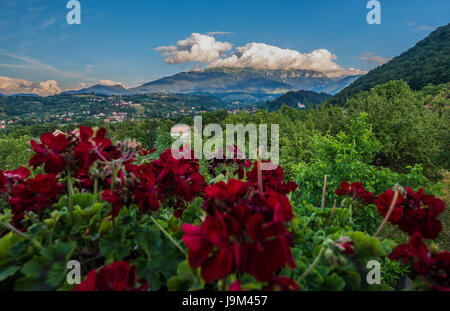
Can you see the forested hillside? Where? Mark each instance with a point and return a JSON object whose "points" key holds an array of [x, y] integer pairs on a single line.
{"points": [[299, 100]]}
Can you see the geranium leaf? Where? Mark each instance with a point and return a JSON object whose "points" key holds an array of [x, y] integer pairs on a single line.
{"points": [[334, 282], [162, 257], [6, 272], [115, 245]]}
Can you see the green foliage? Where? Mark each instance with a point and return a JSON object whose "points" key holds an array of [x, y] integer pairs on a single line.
{"points": [[409, 132], [320, 263], [347, 157], [162, 258], [14, 152], [293, 99], [186, 279], [48, 270]]}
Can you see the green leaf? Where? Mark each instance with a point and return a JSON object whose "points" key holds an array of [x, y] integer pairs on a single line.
{"points": [[353, 279], [7, 272], [367, 247], [105, 226], [162, 259], [193, 212], [187, 279], [48, 271], [7, 242], [84, 200], [334, 282], [115, 246], [59, 251]]}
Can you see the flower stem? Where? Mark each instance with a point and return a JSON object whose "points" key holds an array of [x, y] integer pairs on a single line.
{"points": [[23, 235], [260, 182], [332, 213], [315, 262], [70, 193], [168, 235], [95, 190], [324, 191], [388, 215]]}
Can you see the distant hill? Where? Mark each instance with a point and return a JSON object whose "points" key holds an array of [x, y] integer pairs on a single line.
{"points": [[299, 100], [24, 95], [428, 62], [100, 89], [243, 81]]}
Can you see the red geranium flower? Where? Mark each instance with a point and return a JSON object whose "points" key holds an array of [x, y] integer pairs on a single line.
{"points": [[384, 202], [177, 178], [433, 267], [9, 179], [145, 191], [244, 232], [117, 276], [356, 191], [420, 214], [90, 149], [49, 153], [345, 245], [415, 212], [236, 286], [115, 200], [201, 241], [272, 179], [33, 195]]}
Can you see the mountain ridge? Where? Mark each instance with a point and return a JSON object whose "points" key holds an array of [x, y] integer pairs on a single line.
{"points": [[100, 89], [231, 84]]}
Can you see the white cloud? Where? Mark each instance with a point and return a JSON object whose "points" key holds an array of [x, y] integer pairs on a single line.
{"points": [[372, 58], [205, 49], [110, 83], [264, 56], [15, 86], [424, 28], [421, 27], [214, 33], [34, 64], [196, 68], [196, 48]]}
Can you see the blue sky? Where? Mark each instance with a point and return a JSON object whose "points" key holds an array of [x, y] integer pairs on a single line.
{"points": [[117, 39]]}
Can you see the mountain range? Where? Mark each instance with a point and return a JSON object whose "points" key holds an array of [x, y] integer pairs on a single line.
{"points": [[231, 85], [428, 62]]}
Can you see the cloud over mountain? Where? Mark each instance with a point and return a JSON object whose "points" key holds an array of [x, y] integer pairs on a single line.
{"points": [[196, 48], [205, 49], [20, 86]]}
